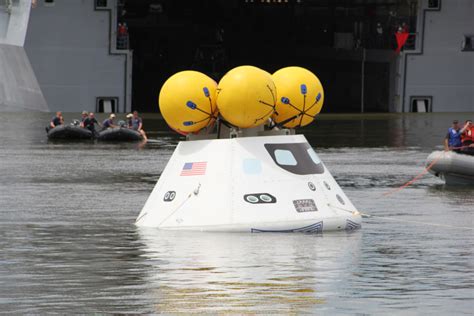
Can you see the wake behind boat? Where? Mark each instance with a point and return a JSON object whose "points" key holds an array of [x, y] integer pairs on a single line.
{"points": [[454, 168]]}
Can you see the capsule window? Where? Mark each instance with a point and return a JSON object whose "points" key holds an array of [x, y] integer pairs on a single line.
{"points": [[285, 157], [252, 166], [313, 156], [296, 158]]}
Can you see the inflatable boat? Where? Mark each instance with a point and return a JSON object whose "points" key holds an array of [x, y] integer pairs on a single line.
{"points": [[454, 168], [69, 132], [119, 134]]}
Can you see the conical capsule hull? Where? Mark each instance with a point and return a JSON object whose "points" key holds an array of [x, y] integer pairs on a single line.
{"points": [[250, 184]]}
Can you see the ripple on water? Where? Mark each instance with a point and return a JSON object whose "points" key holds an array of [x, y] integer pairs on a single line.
{"points": [[69, 245]]}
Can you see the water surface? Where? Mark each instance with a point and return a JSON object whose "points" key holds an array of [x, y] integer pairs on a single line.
{"points": [[68, 243]]}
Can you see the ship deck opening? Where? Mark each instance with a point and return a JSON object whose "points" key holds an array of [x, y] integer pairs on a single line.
{"points": [[339, 40]]}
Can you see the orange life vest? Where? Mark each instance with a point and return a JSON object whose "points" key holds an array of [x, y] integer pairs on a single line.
{"points": [[468, 135]]}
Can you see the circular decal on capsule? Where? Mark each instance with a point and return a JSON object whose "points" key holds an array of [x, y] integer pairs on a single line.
{"points": [[169, 196], [260, 198], [251, 199], [311, 186], [327, 185]]}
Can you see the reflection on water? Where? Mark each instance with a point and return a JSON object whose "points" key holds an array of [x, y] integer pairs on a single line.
{"points": [[243, 272], [172, 272], [69, 244]]}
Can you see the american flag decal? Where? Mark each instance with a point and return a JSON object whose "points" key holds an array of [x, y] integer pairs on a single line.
{"points": [[194, 169]]}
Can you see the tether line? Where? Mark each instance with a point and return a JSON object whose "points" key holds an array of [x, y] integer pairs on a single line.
{"points": [[365, 215]]}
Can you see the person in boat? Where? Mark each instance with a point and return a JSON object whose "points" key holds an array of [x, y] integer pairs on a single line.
{"points": [[452, 141], [129, 120], [84, 116], [109, 123], [57, 120], [137, 124], [467, 138], [90, 123]]}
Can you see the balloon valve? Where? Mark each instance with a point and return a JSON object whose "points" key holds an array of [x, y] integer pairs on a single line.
{"points": [[303, 88], [191, 105], [285, 100], [318, 97]]}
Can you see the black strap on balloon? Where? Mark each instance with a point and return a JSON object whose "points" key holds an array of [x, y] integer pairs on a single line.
{"points": [[227, 124], [268, 104], [282, 123], [220, 120], [193, 106]]}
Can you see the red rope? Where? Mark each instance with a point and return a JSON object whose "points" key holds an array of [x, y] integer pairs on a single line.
{"points": [[426, 169]]}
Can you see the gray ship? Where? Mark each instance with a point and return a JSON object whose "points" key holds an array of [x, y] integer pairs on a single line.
{"points": [[114, 55], [19, 88]]}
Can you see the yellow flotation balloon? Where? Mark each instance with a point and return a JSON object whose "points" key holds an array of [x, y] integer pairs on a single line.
{"points": [[188, 101], [246, 96], [300, 96]]}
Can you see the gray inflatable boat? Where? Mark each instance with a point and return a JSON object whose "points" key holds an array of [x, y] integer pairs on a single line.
{"points": [[454, 168], [69, 132], [119, 134]]}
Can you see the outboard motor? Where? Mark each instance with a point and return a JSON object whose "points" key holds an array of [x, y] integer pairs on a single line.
{"points": [[122, 123], [75, 123]]}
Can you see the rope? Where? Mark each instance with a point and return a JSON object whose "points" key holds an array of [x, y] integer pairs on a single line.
{"points": [[416, 222], [418, 176], [195, 192], [177, 209], [365, 215], [426, 169]]}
